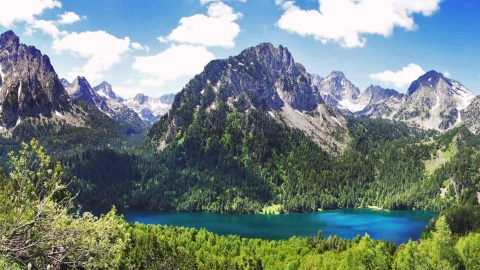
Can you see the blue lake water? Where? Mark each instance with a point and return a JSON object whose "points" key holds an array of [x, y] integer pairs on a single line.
{"points": [[397, 226]]}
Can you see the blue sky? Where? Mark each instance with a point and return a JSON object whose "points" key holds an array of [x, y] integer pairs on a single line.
{"points": [[156, 46]]}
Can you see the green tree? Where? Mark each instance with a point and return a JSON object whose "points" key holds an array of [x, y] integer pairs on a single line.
{"points": [[38, 227], [469, 249]]}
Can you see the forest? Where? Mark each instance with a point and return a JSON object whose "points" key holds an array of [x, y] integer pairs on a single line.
{"points": [[227, 161], [41, 230]]}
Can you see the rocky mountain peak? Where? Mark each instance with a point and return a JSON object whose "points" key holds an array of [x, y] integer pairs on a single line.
{"points": [[376, 92], [30, 87], [140, 98], [430, 79], [105, 89], [80, 89], [167, 98], [335, 75], [64, 82], [9, 39], [277, 60]]}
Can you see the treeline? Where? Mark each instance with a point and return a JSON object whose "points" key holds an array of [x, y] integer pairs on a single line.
{"points": [[40, 231], [230, 161]]}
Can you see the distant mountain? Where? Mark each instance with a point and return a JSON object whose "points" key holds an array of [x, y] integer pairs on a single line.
{"points": [[374, 102], [64, 82], [432, 101], [150, 109], [471, 115], [105, 90], [381, 102], [435, 102], [261, 78], [339, 92], [29, 85], [81, 91]]}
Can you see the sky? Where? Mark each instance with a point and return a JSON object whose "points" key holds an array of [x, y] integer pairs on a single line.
{"points": [[156, 46]]}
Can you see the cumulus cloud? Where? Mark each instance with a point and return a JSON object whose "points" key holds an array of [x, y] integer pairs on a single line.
{"points": [[173, 63], [401, 78], [139, 47], [69, 18], [47, 27], [12, 11], [217, 28], [100, 49], [346, 22]]}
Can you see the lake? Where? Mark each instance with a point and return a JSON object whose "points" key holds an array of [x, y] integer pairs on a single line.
{"points": [[397, 226]]}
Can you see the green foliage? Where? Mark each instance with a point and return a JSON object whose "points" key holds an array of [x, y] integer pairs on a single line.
{"points": [[437, 252], [162, 247], [230, 161], [37, 226], [469, 249]]}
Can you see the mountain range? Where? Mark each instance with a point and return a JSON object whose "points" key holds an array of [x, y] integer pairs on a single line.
{"points": [[263, 77]]}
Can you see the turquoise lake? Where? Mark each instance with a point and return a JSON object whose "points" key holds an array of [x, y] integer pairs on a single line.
{"points": [[397, 226]]}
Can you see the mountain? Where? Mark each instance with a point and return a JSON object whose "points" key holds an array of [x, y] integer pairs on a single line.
{"points": [[381, 102], [64, 82], [264, 79], [434, 101], [105, 90], [81, 91], [29, 85], [339, 92], [431, 102], [148, 108], [471, 115]]}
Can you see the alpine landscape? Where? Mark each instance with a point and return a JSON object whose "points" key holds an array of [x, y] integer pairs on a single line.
{"points": [[202, 155]]}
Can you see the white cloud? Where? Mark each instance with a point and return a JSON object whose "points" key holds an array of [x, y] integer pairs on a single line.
{"points": [[69, 18], [12, 11], [217, 28], [47, 27], [446, 74], [399, 78], [101, 50], [139, 47], [171, 64], [346, 22]]}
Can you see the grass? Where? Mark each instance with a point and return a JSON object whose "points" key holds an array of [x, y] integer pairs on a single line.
{"points": [[442, 157]]}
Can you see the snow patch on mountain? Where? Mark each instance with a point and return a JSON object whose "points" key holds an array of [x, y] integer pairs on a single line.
{"points": [[349, 105], [2, 75]]}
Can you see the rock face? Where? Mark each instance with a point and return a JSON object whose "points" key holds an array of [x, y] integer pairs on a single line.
{"points": [[471, 115], [81, 91], [381, 102], [105, 90], [435, 102], [339, 92], [29, 85], [264, 78], [150, 109], [432, 101]]}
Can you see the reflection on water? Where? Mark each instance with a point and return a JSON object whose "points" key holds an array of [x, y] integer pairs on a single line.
{"points": [[397, 226]]}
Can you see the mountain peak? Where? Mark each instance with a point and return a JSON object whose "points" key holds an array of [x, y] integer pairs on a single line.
{"points": [[336, 73], [141, 98], [8, 38], [105, 89], [30, 86], [429, 80]]}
